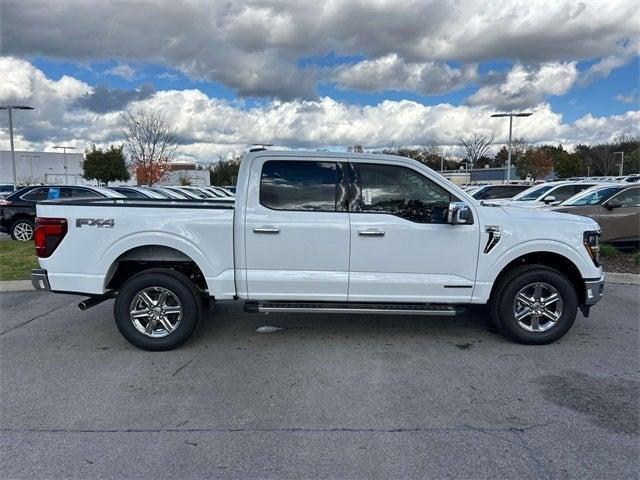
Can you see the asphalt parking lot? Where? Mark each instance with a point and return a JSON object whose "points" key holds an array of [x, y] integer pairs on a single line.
{"points": [[329, 396]]}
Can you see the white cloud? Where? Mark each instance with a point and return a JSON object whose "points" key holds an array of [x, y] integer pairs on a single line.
{"points": [[393, 73], [524, 87], [209, 127], [124, 71], [254, 46], [631, 97]]}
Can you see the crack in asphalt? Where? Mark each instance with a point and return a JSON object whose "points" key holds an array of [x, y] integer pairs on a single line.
{"points": [[37, 317], [464, 428]]}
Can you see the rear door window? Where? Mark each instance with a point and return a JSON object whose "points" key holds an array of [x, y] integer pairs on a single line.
{"points": [[299, 185]]}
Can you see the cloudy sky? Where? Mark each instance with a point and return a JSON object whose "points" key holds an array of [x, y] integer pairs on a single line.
{"points": [[312, 74]]}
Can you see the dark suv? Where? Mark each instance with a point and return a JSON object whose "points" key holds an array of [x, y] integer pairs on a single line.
{"points": [[18, 210]]}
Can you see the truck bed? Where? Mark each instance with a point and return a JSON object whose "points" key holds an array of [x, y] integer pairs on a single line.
{"points": [[102, 232]]}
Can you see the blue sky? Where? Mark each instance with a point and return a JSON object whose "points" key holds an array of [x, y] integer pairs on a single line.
{"points": [[323, 74]]}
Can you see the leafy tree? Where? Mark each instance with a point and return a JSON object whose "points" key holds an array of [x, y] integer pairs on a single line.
{"points": [[151, 143], [518, 147], [105, 165], [535, 163], [225, 171], [567, 165]]}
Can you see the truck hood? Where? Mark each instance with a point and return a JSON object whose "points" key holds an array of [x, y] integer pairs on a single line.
{"points": [[543, 215]]}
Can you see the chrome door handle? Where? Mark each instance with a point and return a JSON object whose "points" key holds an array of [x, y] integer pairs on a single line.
{"points": [[271, 230], [371, 233]]}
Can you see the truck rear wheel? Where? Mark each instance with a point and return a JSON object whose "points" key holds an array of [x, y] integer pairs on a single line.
{"points": [[158, 309], [534, 305]]}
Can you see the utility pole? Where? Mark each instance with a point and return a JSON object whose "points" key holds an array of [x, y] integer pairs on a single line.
{"points": [[621, 162], [511, 115], [66, 171], [9, 108]]}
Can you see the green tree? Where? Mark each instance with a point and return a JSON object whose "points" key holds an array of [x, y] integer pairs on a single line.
{"points": [[567, 165], [184, 180], [105, 165], [225, 171]]}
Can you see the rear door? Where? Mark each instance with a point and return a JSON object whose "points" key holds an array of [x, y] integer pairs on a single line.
{"points": [[296, 230], [622, 223], [401, 248]]}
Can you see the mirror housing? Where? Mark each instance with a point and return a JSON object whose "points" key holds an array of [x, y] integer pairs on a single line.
{"points": [[611, 204], [459, 213], [549, 199]]}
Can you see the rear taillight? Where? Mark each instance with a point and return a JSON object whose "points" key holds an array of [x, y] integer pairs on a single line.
{"points": [[4, 203], [48, 235]]}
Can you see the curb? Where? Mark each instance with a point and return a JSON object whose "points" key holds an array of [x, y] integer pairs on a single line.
{"points": [[623, 278], [611, 277], [16, 286]]}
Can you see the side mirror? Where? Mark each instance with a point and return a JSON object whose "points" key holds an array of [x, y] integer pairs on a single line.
{"points": [[610, 205], [549, 199], [459, 213]]}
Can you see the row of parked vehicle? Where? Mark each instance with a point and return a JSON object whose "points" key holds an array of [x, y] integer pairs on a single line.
{"points": [[18, 209], [614, 205]]}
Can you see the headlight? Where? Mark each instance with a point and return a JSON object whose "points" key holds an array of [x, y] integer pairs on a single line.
{"points": [[592, 244]]}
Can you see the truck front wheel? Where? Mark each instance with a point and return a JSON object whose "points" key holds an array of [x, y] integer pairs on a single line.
{"points": [[158, 309], [534, 304]]}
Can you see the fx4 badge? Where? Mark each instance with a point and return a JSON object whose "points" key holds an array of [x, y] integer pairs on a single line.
{"points": [[95, 222]]}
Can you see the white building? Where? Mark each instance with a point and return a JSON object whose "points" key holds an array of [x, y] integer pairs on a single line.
{"points": [[43, 167]]}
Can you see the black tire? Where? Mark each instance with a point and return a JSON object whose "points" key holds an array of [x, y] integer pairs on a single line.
{"points": [[503, 298], [18, 234], [178, 285]]}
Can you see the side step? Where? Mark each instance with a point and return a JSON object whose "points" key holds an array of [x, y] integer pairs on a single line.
{"points": [[352, 307]]}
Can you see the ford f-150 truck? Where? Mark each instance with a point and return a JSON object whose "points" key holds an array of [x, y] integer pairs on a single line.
{"points": [[321, 232]]}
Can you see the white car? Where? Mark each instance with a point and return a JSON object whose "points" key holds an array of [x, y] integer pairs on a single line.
{"points": [[321, 232], [550, 193]]}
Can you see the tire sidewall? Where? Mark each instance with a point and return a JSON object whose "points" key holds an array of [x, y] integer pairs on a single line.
{"points": [[191, 311], [569, 310], [29, 222]]}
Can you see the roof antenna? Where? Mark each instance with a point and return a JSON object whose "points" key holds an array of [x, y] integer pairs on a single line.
{"points": [[258, 147]]}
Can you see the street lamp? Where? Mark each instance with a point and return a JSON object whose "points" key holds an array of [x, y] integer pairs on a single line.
{"points": [[9, 108], [621, 162], [64, 149], [511, 115], [31, 156]]}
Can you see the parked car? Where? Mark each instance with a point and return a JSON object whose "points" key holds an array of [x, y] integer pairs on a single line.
{"points": [[18, 210], [231, 189], [6, 189], [632, 178], [550, 193], [322, 232], [616, 208], [167, 193], [492, 192], [222, 191], [136, 192], [185, 192]]}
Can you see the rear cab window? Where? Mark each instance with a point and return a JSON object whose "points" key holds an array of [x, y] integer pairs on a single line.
{"points": [[300, 185]]}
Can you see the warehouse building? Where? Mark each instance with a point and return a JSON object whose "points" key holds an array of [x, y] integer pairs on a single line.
{"points": [[43, 167]]}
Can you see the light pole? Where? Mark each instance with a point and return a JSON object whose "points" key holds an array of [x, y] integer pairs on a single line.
{"points": [[511, 115], [31, 156], [621, 162], [64, 149], [9, 108]]}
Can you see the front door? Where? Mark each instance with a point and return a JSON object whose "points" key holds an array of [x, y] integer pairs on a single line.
{"points": [[297, 231], [401, 248]]}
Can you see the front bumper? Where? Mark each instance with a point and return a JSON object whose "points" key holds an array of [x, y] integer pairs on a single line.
{"points": [[593, 290], [40, 279]]}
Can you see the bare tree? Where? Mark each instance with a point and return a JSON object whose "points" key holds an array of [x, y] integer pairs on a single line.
{"points": [[475, 146], [151, 143]]}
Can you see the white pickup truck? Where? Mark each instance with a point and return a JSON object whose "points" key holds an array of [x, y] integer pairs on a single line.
{"points": [[321, 232]]}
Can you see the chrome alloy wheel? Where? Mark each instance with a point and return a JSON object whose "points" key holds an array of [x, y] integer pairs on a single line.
{"points": [[537, 307], [23, 231], [155, 312]]}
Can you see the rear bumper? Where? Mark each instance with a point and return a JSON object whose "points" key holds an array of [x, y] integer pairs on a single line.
{"points": [[594, 290], [40, 279]]}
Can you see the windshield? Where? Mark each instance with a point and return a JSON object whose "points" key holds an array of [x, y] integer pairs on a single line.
{"points": [[591, 196], [533, 193]]}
